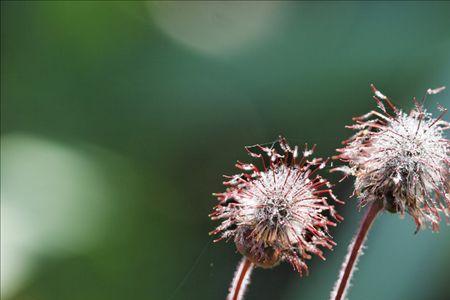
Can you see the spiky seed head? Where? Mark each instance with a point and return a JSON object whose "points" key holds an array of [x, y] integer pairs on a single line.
{"points": [[401, 159], [278, 211]]}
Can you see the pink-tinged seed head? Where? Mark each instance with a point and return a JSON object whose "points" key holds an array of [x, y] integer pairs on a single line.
{"points": [[401, 159], [279, 211]]}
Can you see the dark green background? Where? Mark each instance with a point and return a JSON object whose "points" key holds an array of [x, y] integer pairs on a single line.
{"points": [[101, 86]]}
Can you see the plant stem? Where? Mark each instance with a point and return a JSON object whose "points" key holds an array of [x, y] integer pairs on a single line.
{"points": [[240, 280], [354, 251]]}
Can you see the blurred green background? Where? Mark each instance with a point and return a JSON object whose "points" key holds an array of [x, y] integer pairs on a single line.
{"points": [[119, 118]]}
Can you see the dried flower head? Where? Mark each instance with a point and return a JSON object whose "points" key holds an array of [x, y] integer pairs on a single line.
{"points": [[279, 212], [401, 159]]}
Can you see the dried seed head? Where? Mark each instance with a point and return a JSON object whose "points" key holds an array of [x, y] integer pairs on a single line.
{"points": [[401, 159], [279, 212]]}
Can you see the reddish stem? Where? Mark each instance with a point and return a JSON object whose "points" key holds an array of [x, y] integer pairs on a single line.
{"points": [[342, 285], [240, 280]]}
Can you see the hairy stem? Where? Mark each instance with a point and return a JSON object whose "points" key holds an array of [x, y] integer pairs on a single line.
{"points": [[354, 251], [240, 280]]}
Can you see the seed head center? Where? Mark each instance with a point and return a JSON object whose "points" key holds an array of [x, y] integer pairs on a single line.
{"points": [[275, 210]]}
